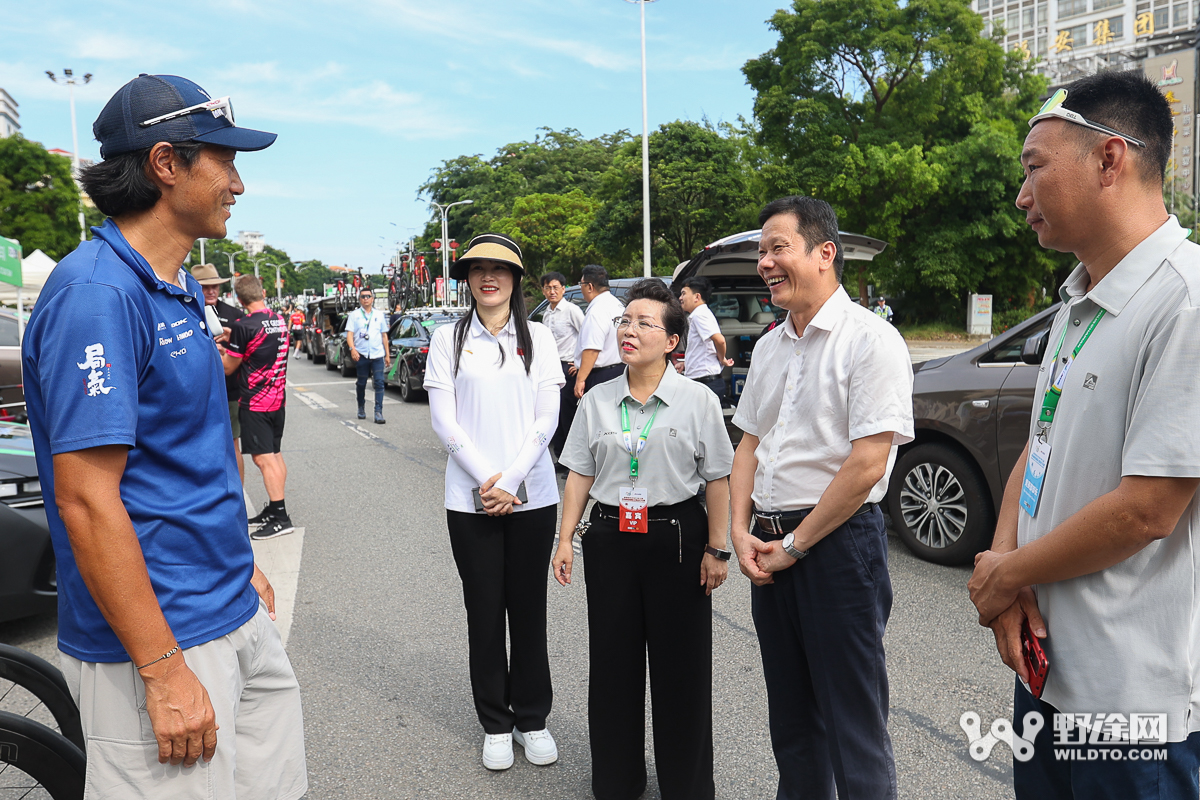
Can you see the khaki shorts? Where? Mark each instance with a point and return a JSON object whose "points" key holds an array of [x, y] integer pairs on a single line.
{"points": [[260, 744], [233, 419]]}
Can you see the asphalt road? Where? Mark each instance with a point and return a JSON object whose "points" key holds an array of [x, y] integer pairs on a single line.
{"points": [[378, 637]]}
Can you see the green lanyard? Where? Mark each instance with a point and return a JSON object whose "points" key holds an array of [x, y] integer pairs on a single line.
{"points": [[1054, 390], [635, 449]]}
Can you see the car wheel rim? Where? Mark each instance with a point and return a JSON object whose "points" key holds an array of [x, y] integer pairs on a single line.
{"points": [[933, 504], [404, 385]]}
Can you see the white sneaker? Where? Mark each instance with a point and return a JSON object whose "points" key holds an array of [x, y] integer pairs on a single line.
{"points": [[497, 751], [539, 746]]}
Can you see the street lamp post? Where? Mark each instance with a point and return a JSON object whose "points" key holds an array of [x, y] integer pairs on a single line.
{"points": [[71, 81], [645, 150], [446, 244], [278, 283]]}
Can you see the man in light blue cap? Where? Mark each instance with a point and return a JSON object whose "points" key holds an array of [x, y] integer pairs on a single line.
{"points": [[165, 623]]}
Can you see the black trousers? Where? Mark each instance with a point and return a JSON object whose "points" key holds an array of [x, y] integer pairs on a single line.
{"points": [[820, 629], [718, 385], [566, 409], [503, 563], [602, 374], [644, 593]]}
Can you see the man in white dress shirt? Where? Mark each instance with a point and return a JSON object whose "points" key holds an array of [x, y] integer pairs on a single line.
{"points": [[704, 358], [596, 354], [564, 320], [827, 400]]}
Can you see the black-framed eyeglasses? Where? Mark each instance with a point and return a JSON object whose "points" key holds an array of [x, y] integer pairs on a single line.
{"points": [[640, 325]]}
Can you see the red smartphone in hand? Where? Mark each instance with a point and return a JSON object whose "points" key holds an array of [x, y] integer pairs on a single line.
{"points": [[1036, 663]]}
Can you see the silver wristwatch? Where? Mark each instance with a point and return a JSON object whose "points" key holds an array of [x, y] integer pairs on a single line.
{"points": [[791, 551]]}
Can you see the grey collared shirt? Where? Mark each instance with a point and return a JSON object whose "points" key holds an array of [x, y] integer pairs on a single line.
{"points": [[686, 447], [1126, 639]]}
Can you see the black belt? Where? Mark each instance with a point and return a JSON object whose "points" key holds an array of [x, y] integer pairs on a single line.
{"points": [[781, 523], [709, 377], [669, 514]]}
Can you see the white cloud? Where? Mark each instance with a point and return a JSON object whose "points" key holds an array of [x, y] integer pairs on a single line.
{"points": [[116, 47]]}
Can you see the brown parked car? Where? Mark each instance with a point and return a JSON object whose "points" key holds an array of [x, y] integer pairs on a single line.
{"points": [[971, 412], [12, 396]]}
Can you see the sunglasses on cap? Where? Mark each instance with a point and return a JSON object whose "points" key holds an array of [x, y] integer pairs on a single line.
{"points": [[221, 107], [1054, 108]]}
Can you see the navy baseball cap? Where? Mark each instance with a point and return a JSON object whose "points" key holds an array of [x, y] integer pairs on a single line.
{"points": [[166, 108]]}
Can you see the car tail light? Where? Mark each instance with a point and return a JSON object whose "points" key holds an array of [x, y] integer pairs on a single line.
{"points": [[423, 350]]}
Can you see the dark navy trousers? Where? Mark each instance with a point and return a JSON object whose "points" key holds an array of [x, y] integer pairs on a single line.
{"points": [[820, 629], [1120, 772], [374, 368]]}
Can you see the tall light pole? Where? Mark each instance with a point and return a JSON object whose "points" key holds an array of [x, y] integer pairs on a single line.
{"points": [[71, 81], [645, 151], [278, 283], [446, 244]]}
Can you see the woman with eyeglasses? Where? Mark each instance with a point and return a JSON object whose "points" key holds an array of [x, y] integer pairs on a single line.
{"points": [[493, 380], [641, 446]]}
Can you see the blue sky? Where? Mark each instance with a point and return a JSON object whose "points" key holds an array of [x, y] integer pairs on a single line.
{"points": [[367, 97]]}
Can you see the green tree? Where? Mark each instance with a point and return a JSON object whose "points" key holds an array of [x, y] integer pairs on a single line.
{"points": [[909, 123], [39, 201], [555, 162], [551, 229], [699, 192]]}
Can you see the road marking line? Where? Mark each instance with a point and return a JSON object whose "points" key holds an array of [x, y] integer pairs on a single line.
{"points": [[360, 431], [279, 559], [299, 387], [314, 400]]}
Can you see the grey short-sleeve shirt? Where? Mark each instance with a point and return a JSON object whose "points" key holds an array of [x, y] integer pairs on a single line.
{"points": [[687, 446], [1127, 639]]}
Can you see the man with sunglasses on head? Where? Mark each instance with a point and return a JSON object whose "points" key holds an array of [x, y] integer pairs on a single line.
{"points": [[164, 622], [1096, 540], [366, 334]]}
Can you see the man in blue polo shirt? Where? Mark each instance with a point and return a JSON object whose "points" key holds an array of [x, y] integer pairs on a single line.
{"points": [[181, 679]]}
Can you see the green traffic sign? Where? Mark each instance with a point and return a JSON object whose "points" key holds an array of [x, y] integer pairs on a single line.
{"points": [[10, 261]]}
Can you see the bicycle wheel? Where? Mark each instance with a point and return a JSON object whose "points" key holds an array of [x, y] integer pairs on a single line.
{"points": [[37, 763], [31, 687]]}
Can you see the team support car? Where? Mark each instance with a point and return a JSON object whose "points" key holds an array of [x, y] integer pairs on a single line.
{"points": [[12, 394], [971, 414], [741, 301], [408, 340], [28, 582]]}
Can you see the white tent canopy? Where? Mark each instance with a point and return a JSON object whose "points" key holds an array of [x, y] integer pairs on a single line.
{"points": [[35, 269]]}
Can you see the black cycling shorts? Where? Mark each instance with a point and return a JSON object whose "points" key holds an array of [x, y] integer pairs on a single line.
{"points": [[262, 431]]}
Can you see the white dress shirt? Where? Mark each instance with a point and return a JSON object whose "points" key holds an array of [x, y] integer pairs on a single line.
{"points": [[496, 426], [700, 359], [598, 331], [367, 332], [564, 322], [808, 397]]}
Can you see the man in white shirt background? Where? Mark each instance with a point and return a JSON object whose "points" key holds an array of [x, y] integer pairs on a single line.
{"points": [[565, 320], [1096, 540], [704, 358], [596, 354], [366, 334]]}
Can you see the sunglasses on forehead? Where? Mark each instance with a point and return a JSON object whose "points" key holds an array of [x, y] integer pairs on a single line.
{"points": [[1054, 108], [220, 107]]}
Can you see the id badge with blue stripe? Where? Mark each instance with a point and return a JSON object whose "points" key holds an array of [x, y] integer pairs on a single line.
{"points": [[1035, 474]]}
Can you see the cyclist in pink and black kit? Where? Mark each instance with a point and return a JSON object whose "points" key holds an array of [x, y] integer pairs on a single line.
{"points": [[257, 352]]}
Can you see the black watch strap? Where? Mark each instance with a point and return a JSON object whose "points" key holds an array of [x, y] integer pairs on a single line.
{"points": [[723, 555]]}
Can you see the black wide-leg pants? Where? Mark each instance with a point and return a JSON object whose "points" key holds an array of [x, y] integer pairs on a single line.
{"points": [[503, 563], [644, 594]]}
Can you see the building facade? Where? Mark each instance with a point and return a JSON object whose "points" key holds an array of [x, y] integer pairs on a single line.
{"points": [[251, 241], [10, 119], [1071, 38]]}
